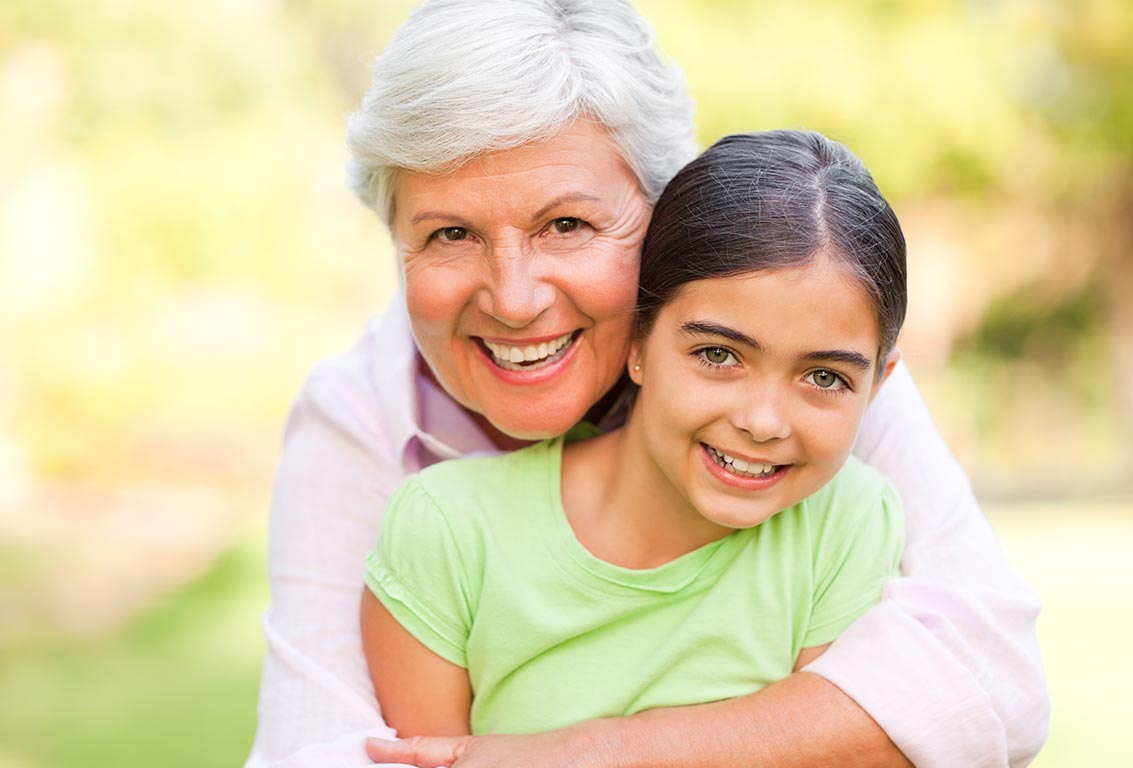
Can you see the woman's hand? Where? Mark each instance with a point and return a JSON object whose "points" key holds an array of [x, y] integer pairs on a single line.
{"points": [[565, 748]]}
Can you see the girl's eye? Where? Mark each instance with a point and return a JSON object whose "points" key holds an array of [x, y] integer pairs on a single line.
{"points": [[451, 234], [828, 380], [717, 356], [565, 225]]}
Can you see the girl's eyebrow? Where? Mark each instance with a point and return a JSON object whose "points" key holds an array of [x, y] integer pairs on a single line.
{"points": [[701, 328], [846, 357], [852, 359]]}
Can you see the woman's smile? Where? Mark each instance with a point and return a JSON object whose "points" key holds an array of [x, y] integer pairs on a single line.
{"points": [[528, 354], [529, 362], [520, 277]]}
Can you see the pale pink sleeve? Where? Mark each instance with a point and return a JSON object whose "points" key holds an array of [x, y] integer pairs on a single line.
{"points": [[316, 702], [948, 662]]}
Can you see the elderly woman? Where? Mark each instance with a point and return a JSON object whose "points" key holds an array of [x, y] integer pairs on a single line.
{"points": [[515, 149]]}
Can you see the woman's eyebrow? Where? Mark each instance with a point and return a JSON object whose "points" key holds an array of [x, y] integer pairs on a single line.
{"points": [[453, 219], [457, 221], [846, 357], [569, 197], [702, 328]]}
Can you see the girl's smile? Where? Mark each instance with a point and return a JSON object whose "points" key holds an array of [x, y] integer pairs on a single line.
{"points": [[745, 473], [752, 390]]}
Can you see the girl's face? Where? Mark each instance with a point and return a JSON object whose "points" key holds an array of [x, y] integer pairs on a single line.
{"points": [[752, 389]]}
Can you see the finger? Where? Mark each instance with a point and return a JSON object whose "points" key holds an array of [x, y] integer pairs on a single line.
{"points": [[421, 751]]}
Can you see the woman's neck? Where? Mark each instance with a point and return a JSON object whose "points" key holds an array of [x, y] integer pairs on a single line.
{"points": [[501, 440], [623, 509]]}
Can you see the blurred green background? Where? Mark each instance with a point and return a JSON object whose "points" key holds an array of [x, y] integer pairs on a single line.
{"points": [[177, 248]]}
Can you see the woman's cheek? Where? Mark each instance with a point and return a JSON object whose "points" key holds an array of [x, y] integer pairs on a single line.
{"points": [[435, 299], [613, 281]]}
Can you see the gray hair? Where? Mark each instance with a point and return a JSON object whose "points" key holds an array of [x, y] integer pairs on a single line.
{"points": [[464, 77]]}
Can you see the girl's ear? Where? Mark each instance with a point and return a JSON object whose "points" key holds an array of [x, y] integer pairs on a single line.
{"points": [[634, 362], [887, 366]]}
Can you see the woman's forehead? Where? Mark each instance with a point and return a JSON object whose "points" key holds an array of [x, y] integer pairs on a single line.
{"points": [[578, 168]]}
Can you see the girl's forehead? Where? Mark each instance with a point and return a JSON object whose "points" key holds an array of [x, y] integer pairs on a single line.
{"points": [[796, 305]]}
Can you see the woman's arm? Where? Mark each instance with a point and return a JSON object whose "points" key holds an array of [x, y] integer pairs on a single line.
{"points": [[948, 663], [802, 721], [419, 692], [335, 473]]}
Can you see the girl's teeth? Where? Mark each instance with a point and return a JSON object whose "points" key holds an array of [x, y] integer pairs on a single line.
{"points": [[739, 466]]}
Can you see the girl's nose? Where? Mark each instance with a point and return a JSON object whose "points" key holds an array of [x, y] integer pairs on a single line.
{"points": [[763, 415]]}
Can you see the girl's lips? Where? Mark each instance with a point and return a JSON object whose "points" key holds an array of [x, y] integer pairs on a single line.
{"points": [[743, 465], [749, 482], [537, 373]]}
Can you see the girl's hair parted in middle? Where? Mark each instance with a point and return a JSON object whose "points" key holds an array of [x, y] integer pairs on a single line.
{"points": [[770, 200]]}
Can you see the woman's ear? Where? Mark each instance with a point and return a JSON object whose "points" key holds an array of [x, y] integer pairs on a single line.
{"points": [[887, 366], [634, 362]]}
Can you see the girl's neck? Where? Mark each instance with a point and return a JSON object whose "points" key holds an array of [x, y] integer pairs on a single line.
{"points": [[623, 509]]}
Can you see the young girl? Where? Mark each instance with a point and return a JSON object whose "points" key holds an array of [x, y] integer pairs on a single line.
{"points": [[719, 540]]}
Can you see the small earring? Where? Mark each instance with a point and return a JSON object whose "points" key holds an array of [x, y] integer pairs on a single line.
{"points": [[637, 366]]}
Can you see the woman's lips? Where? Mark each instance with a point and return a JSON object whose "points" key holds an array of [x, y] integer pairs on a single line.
{"points": [[534, 361], [529, 355]]}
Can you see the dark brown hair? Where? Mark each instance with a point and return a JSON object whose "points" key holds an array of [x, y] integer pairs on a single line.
{"points": [[770, 200]]}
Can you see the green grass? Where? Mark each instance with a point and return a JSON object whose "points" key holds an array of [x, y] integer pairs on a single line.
{"points": [[1076, 554], [177, 686]]}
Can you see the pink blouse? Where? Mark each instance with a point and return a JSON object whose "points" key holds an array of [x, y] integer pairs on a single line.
{"points": [[947, 663]]}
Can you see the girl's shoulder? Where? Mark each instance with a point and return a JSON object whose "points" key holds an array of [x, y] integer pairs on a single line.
{"points": [[476, 469], [491, 481], [856, 493], [855, 479]]}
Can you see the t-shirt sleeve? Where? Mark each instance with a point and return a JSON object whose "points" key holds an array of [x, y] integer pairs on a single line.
{"points": [[858, 552], [418, 573]]}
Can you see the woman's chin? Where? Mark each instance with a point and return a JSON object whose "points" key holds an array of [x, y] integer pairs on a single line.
{"points": [[530, 427]]}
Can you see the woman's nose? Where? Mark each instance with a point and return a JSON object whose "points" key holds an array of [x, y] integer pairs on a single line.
{"points": [[516, 292]]}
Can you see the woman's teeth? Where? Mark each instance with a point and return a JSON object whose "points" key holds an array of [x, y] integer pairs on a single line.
{"points": [[739, 466], [514, 358]]}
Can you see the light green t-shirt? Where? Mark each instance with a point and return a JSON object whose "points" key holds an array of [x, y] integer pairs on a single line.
{"points": [[478, 561]]}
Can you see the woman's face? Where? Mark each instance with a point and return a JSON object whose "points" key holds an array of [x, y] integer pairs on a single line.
{"points": [[752, 390], [520, 277]]}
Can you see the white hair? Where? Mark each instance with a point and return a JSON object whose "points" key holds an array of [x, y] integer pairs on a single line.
{"points": [[464, 77]]}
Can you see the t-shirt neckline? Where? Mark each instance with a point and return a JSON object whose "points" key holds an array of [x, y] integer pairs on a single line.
{"points": [[691, 568]]}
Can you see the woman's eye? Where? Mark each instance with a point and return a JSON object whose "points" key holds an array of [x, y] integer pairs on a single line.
{"points": [[565, 225], [451, 234], [824, 379], [717, 356]]}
